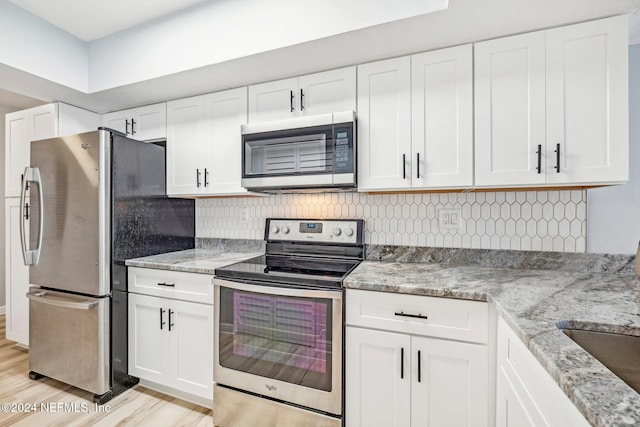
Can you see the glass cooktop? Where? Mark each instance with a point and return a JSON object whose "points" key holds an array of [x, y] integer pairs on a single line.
{"points": [[290, 271]]}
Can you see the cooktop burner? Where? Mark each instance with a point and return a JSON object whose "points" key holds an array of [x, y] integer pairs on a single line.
{"points": [[303, 253]]}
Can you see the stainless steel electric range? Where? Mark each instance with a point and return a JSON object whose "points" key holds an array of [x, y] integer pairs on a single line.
{"points": [[279, 326]]}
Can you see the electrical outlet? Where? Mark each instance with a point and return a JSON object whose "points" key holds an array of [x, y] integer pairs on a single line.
{"points": [[244, 214], [449, 218]]}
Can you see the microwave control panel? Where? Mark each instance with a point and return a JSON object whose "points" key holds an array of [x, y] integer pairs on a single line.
{"points": [[320, 231], [343, 159]]}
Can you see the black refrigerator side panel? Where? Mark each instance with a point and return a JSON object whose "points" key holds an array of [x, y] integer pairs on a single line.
{"points": [[144, 221], [120, 378]]}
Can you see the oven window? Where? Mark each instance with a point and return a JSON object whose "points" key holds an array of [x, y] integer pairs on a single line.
{"points": [[278, 337]]}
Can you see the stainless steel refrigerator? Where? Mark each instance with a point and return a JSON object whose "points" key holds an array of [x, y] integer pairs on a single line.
{"points": [[91, 201]]}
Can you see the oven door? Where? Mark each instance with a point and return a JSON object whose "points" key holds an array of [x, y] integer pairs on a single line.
{"points": [[279, 342]]}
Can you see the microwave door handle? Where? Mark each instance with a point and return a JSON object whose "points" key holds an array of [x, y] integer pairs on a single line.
{"points": [[31, 257]]}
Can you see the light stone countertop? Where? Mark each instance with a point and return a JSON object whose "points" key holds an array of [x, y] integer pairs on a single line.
{"points": [[203, 261], [534, 303]]}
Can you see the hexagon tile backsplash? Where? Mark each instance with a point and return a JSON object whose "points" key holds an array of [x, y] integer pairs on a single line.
{"points": [[517, 220]]}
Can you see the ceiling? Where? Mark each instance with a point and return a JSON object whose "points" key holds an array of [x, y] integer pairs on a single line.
{"points": [[98, 18], [92, 19]]}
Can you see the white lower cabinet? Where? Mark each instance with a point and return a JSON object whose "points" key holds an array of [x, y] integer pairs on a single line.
{"points": [[16, 275], [526, 395], [171, 344], [402, 377]]}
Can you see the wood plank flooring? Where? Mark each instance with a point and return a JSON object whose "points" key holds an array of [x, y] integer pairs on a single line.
{"points": [[137, 406]]}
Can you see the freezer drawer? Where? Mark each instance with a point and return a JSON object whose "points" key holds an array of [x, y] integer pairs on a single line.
{"points": [[69, 338]]}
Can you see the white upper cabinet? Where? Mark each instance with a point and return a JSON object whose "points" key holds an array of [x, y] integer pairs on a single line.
{"points": [[186, 142], [551, 107], [384, 124], [225, 113], [510, 110], [142, 123], [587, 102], [318, 93], [204, 147], [415, 122], [45, 121], [442, 118]]}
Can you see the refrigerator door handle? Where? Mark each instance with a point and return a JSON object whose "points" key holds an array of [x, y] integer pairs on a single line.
{"points": [[31, 257], [42, 297]]}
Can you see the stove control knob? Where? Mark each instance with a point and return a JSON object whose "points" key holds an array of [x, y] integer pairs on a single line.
{"points": [[275, 229], [336, 231], [285, 229], [349, 232]]}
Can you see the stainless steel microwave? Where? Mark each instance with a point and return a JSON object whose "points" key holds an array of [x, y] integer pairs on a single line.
{"points": [[304, 153]]}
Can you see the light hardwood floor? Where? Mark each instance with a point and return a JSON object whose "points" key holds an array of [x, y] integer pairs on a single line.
{"points": [[138, 406]]}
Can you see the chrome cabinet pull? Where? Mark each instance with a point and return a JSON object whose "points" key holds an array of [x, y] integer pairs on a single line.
{"points": [[162, 322], [404, 166], [170, 285], [291, 101], [557, 151], [539, 152], [401, 362], [417, 316], [198, 178], [170, 324]]}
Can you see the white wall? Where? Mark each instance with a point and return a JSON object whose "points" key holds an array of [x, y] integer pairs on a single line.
{"points": [[223, 30], [613, 214], [30, 44]]}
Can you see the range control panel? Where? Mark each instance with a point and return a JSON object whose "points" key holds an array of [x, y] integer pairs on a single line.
{"points": [[348, 231]]}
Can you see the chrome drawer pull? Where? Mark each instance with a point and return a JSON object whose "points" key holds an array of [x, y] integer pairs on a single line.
{"points": [[417, 316]]}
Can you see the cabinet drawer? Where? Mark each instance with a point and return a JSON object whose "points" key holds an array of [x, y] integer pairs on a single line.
{"points": [[171, 284], [441, 317]]}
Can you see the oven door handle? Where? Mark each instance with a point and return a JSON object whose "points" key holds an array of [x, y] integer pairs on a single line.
{"points": [[278, 290]]}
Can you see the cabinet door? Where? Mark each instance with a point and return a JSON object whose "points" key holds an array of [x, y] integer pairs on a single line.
{"points": [[149, 122], [587, 91], [449, 383], [17, 137], [149, 338], [22, 127], [225, 112], [273, 101], [118, 120], [185, 141], [327, 92], [191, 347], [16, 276], [72, 120], [377, 379], [510, 110], [525, 392], [442, 118], [384, 125], [510, 409]]}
